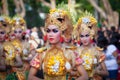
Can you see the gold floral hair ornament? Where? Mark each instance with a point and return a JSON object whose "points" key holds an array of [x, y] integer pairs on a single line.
{"points": [[61, 19], [85, 23], [18, 22], [5, 23]]}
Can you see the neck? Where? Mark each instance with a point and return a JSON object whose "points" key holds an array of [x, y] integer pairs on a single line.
{"points": [[56, 44], [87, 46]]}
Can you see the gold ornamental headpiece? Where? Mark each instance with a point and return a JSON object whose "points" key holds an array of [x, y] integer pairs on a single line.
{"points": [[5, 22], [86, 23], [61, 19], [18, 22]]}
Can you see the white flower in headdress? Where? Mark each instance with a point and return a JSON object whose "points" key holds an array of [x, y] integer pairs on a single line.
{"points": [[56, 14], [17, 21], [85, 20]]}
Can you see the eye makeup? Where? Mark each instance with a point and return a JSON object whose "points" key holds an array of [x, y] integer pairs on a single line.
{"points": [[53, 30], [18, 31], [2, 32], [87, 35]]}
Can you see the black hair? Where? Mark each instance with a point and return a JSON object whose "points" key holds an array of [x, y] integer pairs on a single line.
{"points": [[113, 28], [100, 33], [102, 42], [115, 39]]}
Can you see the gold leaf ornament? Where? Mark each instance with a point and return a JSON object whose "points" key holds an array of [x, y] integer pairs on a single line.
{"points": [[9, 50]]}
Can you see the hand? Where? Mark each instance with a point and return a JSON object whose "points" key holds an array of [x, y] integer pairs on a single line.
{"points": [[78, 61]]}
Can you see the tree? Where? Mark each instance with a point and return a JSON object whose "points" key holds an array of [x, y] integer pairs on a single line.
{"points": [[4, 8], [107, 13], [20, 8], [51, 4]]}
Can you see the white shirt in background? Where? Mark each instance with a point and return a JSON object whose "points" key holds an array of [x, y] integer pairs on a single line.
{"points": [[110, 61]]}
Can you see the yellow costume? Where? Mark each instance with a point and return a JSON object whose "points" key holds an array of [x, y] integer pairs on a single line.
{"points": [[92, 56], [19, 49], [9, 53], [56, 61], [5, 26]]}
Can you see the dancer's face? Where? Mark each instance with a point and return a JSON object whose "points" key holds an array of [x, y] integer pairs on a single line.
{"points": [[53, 34], [18, 33], [85, 38]]}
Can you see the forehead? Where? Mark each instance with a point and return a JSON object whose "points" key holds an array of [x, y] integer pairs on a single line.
{"points": [[52, 27], [84, 32], [18, 29]]}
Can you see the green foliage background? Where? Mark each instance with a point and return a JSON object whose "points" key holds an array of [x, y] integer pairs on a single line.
{"points": [[33, 7]]}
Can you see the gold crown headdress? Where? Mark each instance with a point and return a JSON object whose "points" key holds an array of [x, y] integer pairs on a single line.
{"points": [[85, 23], [61, 19], [18, 22], [5, 23]]}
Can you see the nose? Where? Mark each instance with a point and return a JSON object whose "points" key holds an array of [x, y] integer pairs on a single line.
{"points": [[50, 34], [84, 38]]}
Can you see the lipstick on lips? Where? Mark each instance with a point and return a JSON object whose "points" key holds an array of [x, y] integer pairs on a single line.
{"points": [[85, 41], [51, 39]]}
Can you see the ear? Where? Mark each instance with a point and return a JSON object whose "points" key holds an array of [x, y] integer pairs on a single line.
{"points": [[45, 38], [61, 39]]}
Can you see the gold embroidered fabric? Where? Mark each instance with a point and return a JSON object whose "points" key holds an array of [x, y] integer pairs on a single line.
{"points": [[9, 51], [17, 45], [54, 62], [91, 59], [47, 77]]}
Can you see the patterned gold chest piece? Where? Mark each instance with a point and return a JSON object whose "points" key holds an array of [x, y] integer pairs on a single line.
{"points": [[54, 63]]}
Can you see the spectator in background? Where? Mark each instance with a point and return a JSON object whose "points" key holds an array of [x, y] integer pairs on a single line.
{"points": [[107, 34], [34, 40], [113, 29], [110, 51], [40, 34]]}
